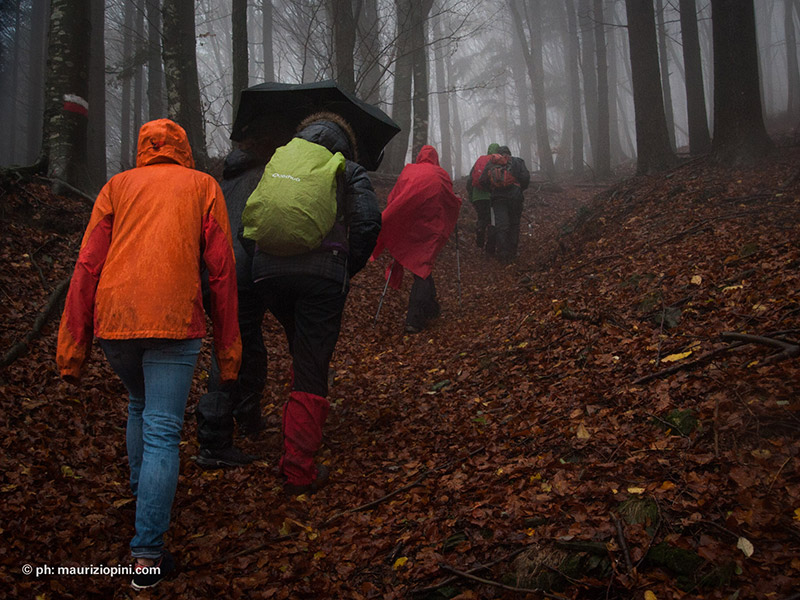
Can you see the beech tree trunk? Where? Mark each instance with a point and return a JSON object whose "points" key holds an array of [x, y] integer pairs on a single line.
{"points": [[664, 66], [445, 152], [739, 132], [67, 92], [369, 52], [602, 150], [572, 43], [793, 74], [40, 14], [126, 142], [533, 59], [180, 68], [155, 69], [519, 70], [420, 103], [410, 73], [653, 149], [344, 42], [239, 54], [138, 78], [589, 71], [266, 40], [699, 137], [96, 126]]}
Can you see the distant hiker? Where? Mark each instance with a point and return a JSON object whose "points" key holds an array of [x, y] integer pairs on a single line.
{"points": [[421, 213], [480, 199], [238, 404], [506, 177], [306, 291], [136, 287]]}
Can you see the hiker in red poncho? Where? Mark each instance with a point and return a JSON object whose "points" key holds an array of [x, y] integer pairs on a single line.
{"points": [[419, 217]]}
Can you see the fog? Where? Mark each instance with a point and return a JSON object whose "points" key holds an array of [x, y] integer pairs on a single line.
{"points": [[474, 56]]}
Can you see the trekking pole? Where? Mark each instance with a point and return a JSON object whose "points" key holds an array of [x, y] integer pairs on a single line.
{"points": [[458, 268], [385, 287]]}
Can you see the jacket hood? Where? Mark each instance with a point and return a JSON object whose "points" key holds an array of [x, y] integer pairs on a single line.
{"points": [[504, 150], [493, 148], [238, 161], [163, 141], [428, 154], [331, 131]]}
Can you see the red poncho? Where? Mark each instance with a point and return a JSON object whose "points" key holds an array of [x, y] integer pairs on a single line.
{"points": [[419, 217]]}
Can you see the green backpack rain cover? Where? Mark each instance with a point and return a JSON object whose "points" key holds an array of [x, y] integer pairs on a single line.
{"points": [[294, 205]]}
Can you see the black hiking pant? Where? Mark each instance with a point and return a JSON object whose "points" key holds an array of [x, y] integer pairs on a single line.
{"points": [[220, 409], [422, 303]]}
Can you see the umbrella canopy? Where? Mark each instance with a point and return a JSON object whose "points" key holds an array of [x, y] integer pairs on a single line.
{"points": [[278, 108]]}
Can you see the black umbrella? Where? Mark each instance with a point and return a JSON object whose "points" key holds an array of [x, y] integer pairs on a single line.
{"points": [[276, 109]]}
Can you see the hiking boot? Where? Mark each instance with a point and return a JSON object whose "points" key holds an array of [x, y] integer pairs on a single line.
{"points": [[149, 576], [323, 473], [252, 431], [226, 457]]}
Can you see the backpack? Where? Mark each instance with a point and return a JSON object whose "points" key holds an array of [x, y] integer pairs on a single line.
{"points": [[294, 205], [499, 175], [477, 170]]}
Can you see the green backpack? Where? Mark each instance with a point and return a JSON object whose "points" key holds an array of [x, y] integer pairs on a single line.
{"points": [[294, 205]]}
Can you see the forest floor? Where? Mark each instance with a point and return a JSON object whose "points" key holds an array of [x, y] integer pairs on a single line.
{"points": [[592, 420]]}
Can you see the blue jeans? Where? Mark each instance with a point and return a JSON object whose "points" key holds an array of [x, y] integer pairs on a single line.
{"points": [[158, 375]]}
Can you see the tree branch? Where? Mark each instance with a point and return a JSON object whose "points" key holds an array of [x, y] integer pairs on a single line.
{"points": [[449, 580], [788, 350], [498, 584], [19, 348]]}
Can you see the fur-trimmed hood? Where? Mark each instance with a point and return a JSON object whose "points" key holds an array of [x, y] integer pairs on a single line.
{"points": [[332, 131]]}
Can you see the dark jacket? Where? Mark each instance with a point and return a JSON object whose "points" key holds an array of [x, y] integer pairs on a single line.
{"points": [[521, 174], [240, 176], [346, 249]]}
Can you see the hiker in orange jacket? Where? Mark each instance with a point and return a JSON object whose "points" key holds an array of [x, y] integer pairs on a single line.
{"points": [[137, 288]]}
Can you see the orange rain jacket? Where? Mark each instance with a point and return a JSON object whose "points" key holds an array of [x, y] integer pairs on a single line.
{"points": [[138, 271]]}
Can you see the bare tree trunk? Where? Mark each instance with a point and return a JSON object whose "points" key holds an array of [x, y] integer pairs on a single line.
{"points": [[180, 67], [344, 42], [664, 66], [589, 71], [239, 56], [96, 150], [533, 59], [410, 70], [458, 166], [138, 79], [369, 51], [445, 152], [572, 44], [654, 152], [793, 103], [266, 40], [401, 89], [602, 150], [126, 144], [155, 69], [40, 13], [11, 151], [618, 155], [519, 70], [420, 11], [699, 137], [66, 92], [739, 132]]}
